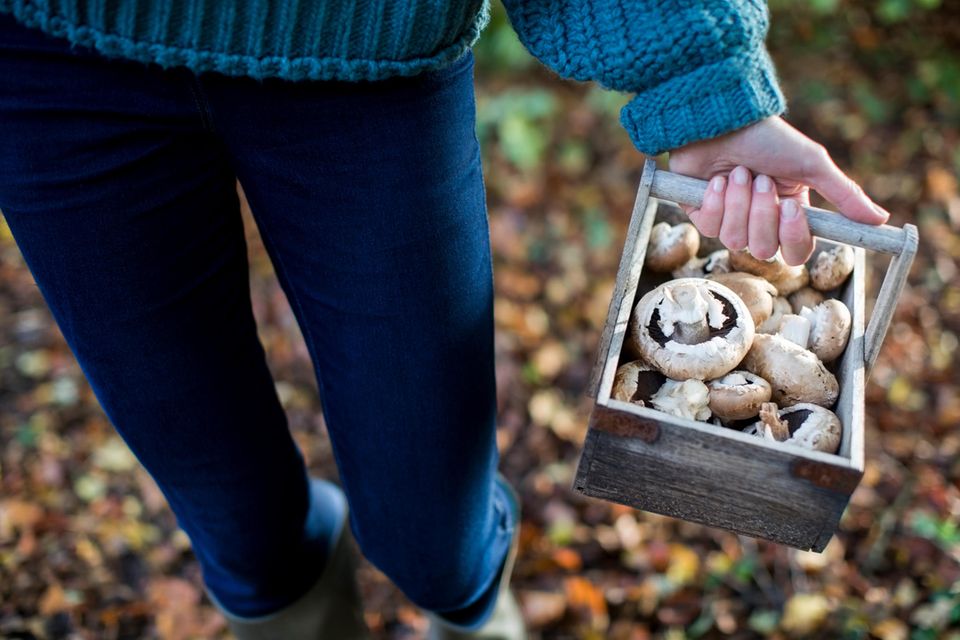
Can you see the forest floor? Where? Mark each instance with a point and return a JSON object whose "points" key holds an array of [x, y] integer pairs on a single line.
{"points": [[90, 549]]}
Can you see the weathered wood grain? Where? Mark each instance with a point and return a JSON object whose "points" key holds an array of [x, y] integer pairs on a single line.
{"points": [[701, 474], [631, 261], [889, 294]]}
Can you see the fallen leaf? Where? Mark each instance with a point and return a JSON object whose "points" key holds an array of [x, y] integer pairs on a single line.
{"points": [[542, 608], [804, 613]]}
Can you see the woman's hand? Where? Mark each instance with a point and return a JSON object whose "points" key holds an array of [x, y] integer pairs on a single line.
{"points": [[764, 211]]}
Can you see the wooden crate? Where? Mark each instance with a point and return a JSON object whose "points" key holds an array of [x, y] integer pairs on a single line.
{"points": [[716, 476]]}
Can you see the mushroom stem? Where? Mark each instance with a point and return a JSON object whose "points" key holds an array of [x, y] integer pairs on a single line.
{"points": [[773, 426], [796, 329], [686, 315]]}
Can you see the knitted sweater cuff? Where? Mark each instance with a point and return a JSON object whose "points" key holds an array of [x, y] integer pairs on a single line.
{"points": [[708, 102]]}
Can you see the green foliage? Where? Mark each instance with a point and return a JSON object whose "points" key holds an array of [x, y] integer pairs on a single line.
{"points": [[517, 118], [499, 47]]}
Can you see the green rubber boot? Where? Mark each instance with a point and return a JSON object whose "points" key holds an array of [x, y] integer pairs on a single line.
{"points": [[506, 621], [330, 610]]}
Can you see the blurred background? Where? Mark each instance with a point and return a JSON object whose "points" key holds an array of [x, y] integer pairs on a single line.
{"points": [[89, 549]]}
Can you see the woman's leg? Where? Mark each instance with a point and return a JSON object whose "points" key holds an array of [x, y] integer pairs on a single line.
{"points": [[124, 207], [370, 199]]}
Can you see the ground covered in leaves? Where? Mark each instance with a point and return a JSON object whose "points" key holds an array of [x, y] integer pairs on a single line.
{"points": [[89, 549]]}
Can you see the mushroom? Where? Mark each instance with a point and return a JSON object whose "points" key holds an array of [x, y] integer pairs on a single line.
{"points": [[832, 267], [796, 329], [756, 293], [738, 395], [804, 425], [795, 374], [671, 247], [781, 307], [716, 262], [692, 328], [805, 297], [784, 277], [688, 399], [829, 328], [635, 382]]}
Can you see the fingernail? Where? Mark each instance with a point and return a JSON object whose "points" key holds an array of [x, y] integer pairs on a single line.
{"points": [[717, 184], [883, 213], [789, 209], [740, 176], [762, 184]]}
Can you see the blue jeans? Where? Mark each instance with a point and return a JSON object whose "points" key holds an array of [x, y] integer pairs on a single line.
{"points": [[118, 183]]}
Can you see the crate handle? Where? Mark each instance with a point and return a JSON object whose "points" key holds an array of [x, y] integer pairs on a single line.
{"points": [[900, 243]]}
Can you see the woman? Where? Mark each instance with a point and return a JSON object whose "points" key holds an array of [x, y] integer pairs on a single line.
{"points": [[350, 127]]}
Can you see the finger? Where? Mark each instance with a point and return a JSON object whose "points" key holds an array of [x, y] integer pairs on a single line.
{"points": [[708, 217], [834, 185], [764, 219], [736, 209], [796, 245]]}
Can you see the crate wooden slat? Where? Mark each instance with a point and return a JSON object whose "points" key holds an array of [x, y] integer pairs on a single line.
{"points": [[712, 475]]}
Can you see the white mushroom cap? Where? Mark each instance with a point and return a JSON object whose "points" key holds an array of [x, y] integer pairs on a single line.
{"points": [[784, 277], [635, 382], [781, 307], [671, 247], [756, 293], [716, 262], [688, 399], [738, 395], [829, 328], [804, 425], [692, 328], [805, 297], [795, 374], [831, 268]]}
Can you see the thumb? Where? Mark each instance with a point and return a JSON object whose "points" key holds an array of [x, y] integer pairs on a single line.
{"points": [[834, 185]]}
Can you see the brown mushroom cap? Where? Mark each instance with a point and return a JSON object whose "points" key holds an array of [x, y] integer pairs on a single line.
{"points": [[756, 293], [716, 262], [805, 297], [671, 247], [691, 328], [831, 268], [636, 382], [784, 277], [793, 278], [795, 374], [829, 329], [738, 395], [767, 269], [808, 425]]}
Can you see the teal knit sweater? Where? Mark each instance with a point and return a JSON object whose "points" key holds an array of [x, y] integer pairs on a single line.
{"points": [[698, 69]]}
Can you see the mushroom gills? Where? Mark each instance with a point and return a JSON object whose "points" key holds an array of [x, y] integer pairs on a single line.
{"points": [[691, 328], [636, 382], [687, 315], [806, 425]]}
